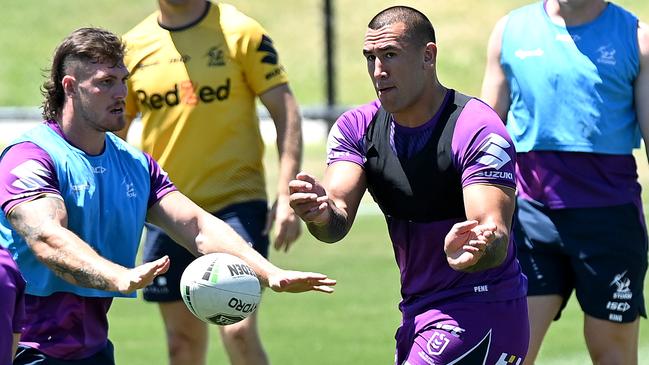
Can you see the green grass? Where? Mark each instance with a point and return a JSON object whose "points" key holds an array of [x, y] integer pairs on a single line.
{"points": [[32, 28]]}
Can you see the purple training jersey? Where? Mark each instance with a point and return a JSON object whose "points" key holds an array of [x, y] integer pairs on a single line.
{"points": [[483, 153], [577, 179], [62, 325], [12, 308]]}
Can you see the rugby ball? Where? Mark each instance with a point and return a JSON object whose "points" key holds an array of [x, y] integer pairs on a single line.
{"points": [[220, 289]]}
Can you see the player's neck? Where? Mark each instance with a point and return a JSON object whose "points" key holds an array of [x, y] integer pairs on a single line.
{"points": [[574, 13], [424, 109], [181, 15], [80, 136]]}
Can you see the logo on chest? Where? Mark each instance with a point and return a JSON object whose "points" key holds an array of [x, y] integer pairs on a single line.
{"points": [[129, 188]]}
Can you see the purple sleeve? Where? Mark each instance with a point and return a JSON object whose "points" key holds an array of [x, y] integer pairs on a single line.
{"points": [[19, 309], [26, 172], [13, 286], [345, 141], [161, 185], [483, 152]]}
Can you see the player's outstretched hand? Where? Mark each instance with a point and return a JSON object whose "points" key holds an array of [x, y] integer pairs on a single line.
{"points": [[298, 282], [141, 276], [308, 199], [466, 243]]}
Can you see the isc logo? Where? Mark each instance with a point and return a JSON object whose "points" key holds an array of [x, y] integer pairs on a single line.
{"points": [[187, 93], [618, 306]]}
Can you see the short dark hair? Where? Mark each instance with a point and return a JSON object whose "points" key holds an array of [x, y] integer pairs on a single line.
{"points": [[419, 29], [94, 45]]}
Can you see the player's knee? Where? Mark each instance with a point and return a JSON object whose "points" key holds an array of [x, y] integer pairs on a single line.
{"points": [[610, 356], [616, 351], [239, 333], [185, 349]]}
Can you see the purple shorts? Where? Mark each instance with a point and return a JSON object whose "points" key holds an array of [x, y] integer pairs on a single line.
{"points": [[466, 333]]}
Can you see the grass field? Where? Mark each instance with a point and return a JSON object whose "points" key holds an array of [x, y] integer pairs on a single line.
{"points": [[356, 324], [32, 28]]}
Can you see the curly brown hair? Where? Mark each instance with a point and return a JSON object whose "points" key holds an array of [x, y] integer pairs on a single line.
{"points": [[94, 45]]}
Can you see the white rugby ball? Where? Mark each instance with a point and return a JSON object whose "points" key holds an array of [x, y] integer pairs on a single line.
{"points": [[220, 289]]}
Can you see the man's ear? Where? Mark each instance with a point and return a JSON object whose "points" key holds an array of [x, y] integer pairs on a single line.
{"points": [[430, 53], [69, 84]]}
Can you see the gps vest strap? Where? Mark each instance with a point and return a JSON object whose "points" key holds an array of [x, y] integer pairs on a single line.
{"points": [[424, 188]]}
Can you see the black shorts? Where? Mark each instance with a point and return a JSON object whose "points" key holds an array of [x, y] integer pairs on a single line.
{"points": [[247, 219], [601, 253], [26, 355]]}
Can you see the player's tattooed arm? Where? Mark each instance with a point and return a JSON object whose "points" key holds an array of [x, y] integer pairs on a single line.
{"points": [[334, 230], [59, 262], [41, 223]]}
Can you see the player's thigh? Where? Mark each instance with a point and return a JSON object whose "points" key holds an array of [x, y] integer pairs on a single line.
{"points": [[472, 333], [542, 310], [179, 321], [541, 254], [617, 340], [610, 263]]}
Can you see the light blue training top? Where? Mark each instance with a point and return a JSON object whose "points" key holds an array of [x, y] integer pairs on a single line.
{"points": [[106, 198], [572, 87]]}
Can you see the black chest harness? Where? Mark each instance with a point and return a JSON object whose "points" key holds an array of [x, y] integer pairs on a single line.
{"points": [[425, 187]]}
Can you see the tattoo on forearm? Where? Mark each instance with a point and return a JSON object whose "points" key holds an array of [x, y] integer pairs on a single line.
{"points": [[30, 224], [332, 232], [494, 254], [84, 276]]}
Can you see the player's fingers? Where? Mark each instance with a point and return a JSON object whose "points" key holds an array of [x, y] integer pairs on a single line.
{"points": [[323, 289], [295, 186], [164, 265], [462, 227], [297, 198], [270, 218], [304, 176]]}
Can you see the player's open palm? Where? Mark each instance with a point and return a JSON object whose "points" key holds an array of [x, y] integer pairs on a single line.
{"points": [[466, 243], [298, 282], [141, 276]]}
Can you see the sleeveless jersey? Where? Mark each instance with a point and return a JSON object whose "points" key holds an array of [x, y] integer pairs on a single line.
{"points": [[585, 104], [111, 188], [415, 187], [196, 89]]}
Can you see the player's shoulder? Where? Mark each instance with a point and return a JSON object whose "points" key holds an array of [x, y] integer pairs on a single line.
{"points": [[232, 20], [521, 17], [126, 150], [532, 8], [643, 38], [139, 39], [361, 116], [479, 119]]}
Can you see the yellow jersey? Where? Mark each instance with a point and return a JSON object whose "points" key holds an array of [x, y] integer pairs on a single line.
{"points": [[195, 89]]}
